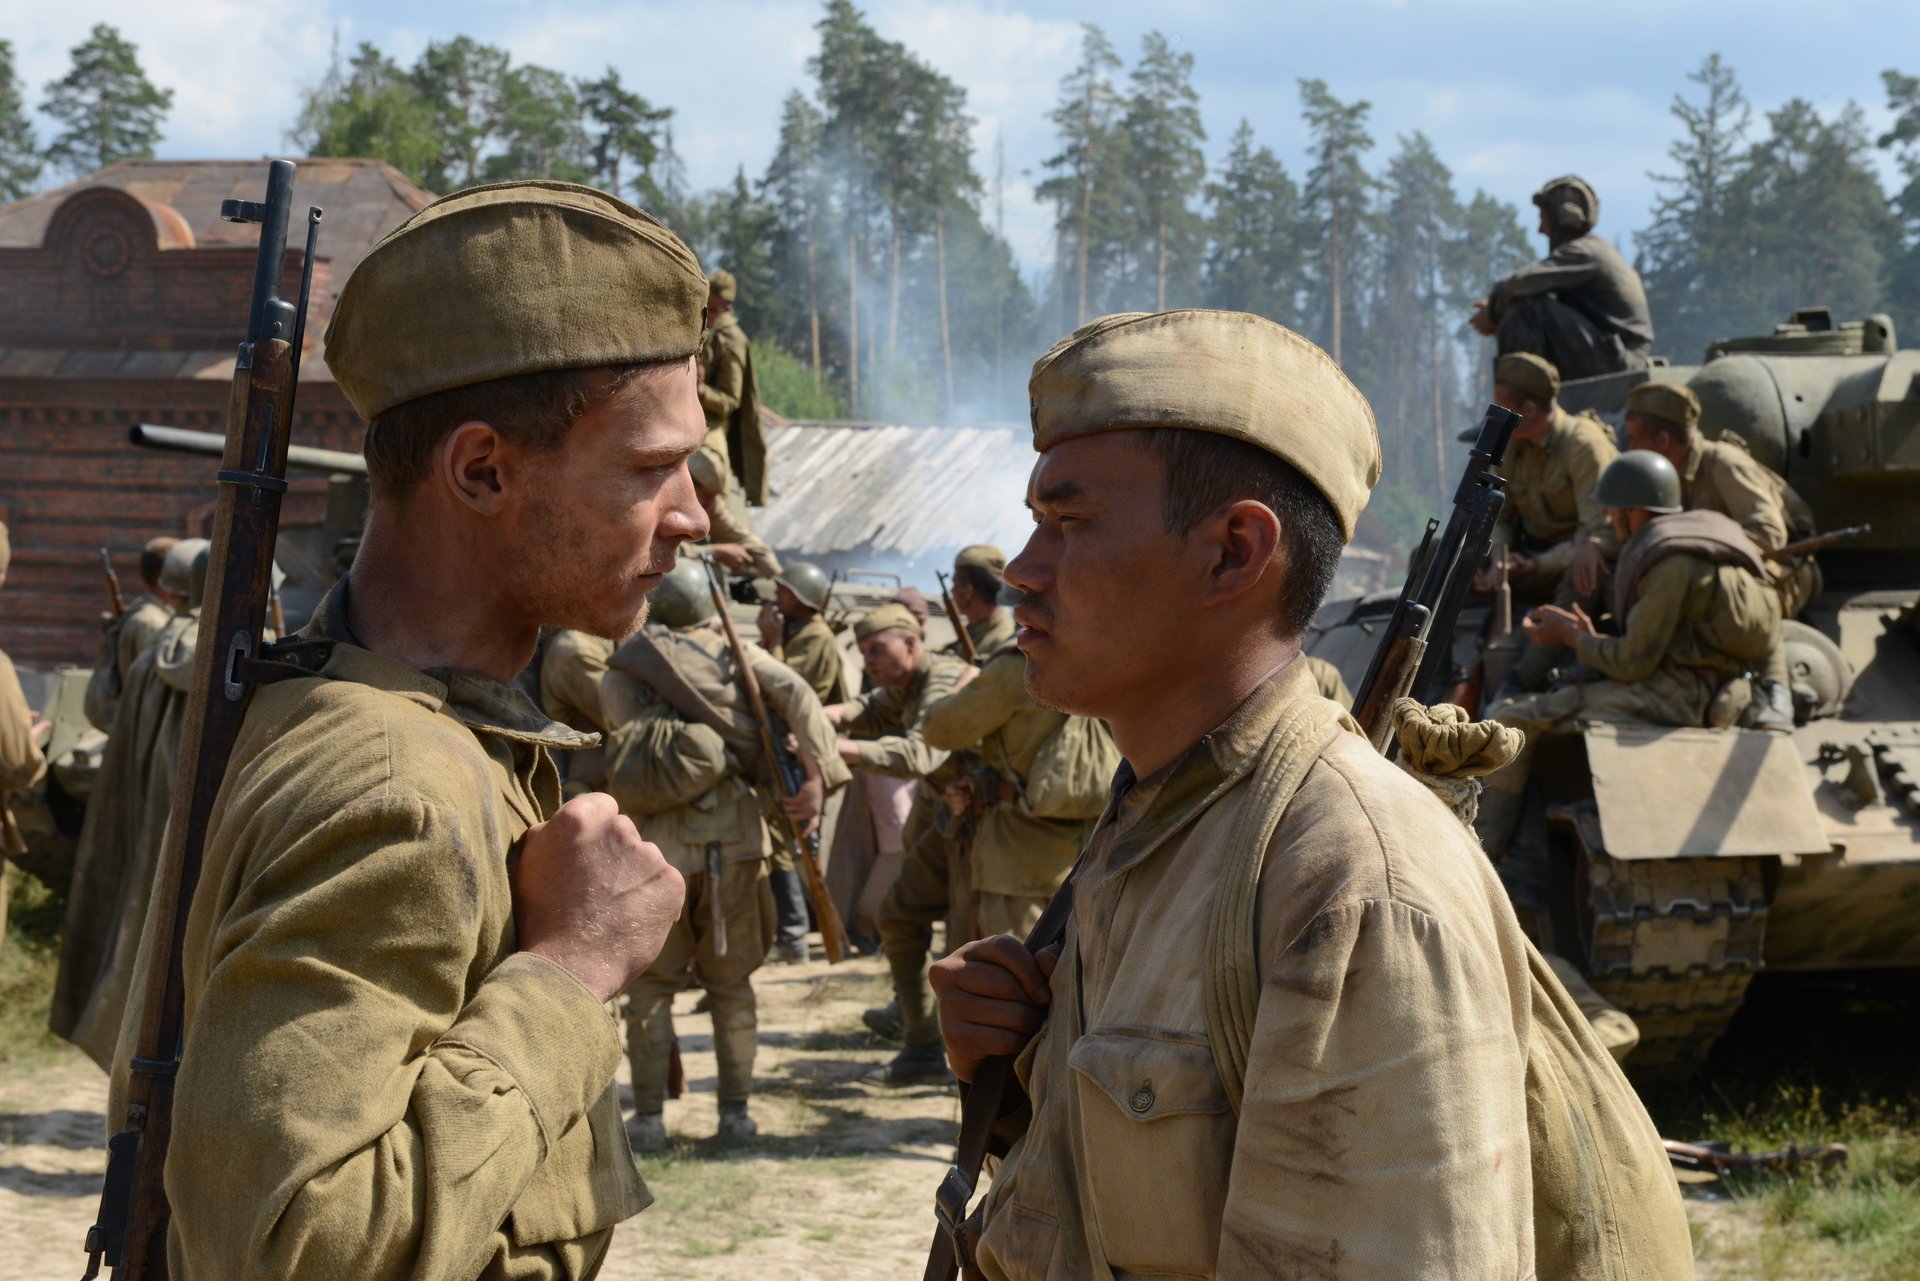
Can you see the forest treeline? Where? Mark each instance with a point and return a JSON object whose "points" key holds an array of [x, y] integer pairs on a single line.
{"points": [[871, 250]]}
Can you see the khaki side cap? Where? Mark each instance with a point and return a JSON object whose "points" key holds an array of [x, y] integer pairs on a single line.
{"points": [[982, 556], [1532, 376], [1226, 372], [509, 279], [885, 618], [1674, 402]]}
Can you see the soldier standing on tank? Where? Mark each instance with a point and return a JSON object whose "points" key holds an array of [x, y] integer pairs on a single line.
{"points": [[794, 630], [1697, 618], [731, 468], [21, 760], [685, 759], [1581, 307]]}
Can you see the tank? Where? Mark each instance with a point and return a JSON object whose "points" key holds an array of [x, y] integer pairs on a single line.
{"points": [[1685, 861]]}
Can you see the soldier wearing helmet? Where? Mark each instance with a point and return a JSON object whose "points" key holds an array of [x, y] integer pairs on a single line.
{"points": [[1696, 622], [1581, 307], [684, 759]]}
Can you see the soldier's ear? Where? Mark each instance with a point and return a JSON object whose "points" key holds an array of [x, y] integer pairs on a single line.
{"points": [[471, 465]]}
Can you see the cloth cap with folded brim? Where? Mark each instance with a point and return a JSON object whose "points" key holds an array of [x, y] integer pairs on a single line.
{"points": [[1225, 372], [885, 618], [1673, 402], [723, 284], [1532, 376], [982, 556], [509, 279]]}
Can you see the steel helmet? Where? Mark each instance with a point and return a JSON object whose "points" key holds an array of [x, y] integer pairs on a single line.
{"points": [[807, 581], [1639, 478], [683, 597]]}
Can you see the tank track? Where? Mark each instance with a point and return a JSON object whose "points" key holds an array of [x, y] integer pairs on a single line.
{"points": [[1674, 943]]}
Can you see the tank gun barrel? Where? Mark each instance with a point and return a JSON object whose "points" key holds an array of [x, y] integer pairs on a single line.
{"points": [[180, 440]]}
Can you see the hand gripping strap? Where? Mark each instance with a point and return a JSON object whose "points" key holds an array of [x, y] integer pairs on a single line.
{"points": [[1233, 942]]}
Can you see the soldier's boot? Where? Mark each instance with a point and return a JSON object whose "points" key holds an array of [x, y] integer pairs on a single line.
{"points": [[647, 1132], [913, 997], [735, 1125], [736, 1040], [884, 1021], [914, 1065], [650, 1049]]}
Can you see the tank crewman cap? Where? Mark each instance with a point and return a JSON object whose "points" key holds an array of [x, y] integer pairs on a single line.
{"points": [[982, 556], [1571, 202], [723, 284], [885, 618], [1532, 376], [1225, 372], [1674, 402], [509, 279]]}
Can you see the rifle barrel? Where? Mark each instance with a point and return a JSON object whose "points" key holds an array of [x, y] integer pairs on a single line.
{"points": [[180, 440]]}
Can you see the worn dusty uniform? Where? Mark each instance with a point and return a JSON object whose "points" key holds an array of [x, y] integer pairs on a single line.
{"points": [[1581, 307], [730, 396], [122, 640], [809, 647], [120, 839], [887, 732], [1413, 1094], [1550, 509], [684, 760], [987, 635], [375, 1082], [571, 670], [725, 505], [1721, 476]]}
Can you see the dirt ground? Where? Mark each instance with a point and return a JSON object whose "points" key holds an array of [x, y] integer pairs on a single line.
{"points": [[839, 1184]]}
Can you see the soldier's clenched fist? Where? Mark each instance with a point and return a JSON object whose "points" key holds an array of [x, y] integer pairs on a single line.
{"points": [[593, 897]]}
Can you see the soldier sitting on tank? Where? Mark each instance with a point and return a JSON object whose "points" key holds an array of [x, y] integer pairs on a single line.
{"points": [[1717, 476], [1581, 307], [1696, 617]]}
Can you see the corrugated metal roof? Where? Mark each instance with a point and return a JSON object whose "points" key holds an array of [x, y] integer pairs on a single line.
{"points": [[911, 492]]}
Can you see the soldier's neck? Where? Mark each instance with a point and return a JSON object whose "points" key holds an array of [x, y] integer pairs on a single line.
{"points": [[418, 597], [1185, 705]]}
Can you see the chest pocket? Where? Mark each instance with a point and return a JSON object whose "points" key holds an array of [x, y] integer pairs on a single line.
{"points": [[1153, 1107], [586, 1185]]}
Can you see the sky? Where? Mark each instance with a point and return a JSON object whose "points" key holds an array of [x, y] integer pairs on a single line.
{"points": [[1511, 92]]}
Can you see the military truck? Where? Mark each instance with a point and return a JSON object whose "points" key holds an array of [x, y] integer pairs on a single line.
{"points": [[1684, 861]]}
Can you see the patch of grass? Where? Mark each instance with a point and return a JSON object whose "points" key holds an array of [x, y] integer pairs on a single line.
{"points": [[1809, 1063], [29, 959]]}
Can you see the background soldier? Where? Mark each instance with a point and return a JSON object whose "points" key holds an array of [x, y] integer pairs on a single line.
{"points": [[428, 1088], [978, 575], [123, 637], [21, 760], [793, 630], [126, 821], [685, 757], [1581, 307], [1328, 680], [882, 736], [572, 666]]}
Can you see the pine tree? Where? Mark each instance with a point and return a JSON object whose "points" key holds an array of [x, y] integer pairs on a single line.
{"points": [[369, 109], [1338, 195], [110, 109], [1087, 188], [796, 184], [465, 82], [1164, 133], [20, 161], [628, 130], [1254, 234], [541, 132], [738, 236], [1692, 250], [1416, 391], [1903, 273]]}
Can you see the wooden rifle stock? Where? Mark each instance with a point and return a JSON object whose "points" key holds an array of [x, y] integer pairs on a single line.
{"points": [[833, 933], [1818, 543], [967, 650], [131, 1235], [1443, 567], [114, 598]]}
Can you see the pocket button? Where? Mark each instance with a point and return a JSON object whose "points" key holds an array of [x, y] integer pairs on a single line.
{"points": [[1142, 1100]]}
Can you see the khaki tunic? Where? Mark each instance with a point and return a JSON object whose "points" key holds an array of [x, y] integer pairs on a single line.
{"points": [[1021, 848], [376, 1083], [570, 675], [889, 727], [122, 641], [119, 846], [21, 765], [987, 636], [728, 522], [1721, 476], [1384, 1131], [1550, 508], [1587, 273], [1327, 679], [725, 358], [808, 646], [1688, 613]]}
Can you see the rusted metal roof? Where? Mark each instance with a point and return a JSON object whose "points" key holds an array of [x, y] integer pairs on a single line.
{"points": [[913, 493], [364, 200]]}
